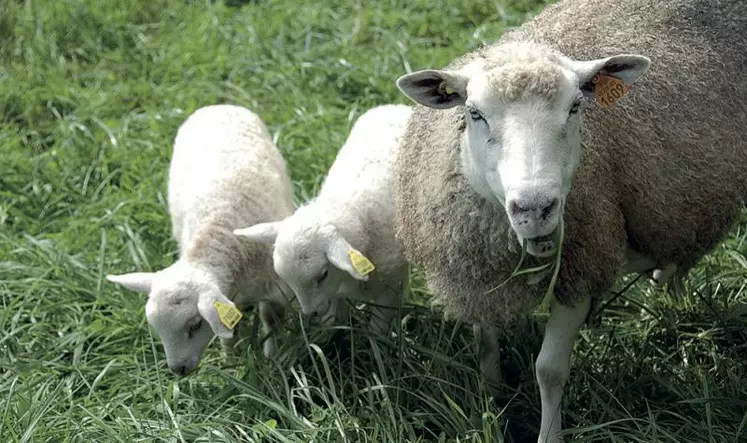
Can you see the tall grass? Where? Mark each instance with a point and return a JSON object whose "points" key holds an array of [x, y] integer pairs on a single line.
{"points": [[91, 93]]}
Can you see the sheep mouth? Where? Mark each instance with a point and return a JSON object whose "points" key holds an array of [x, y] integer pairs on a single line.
{"points": [[542, 246], [542, 238]]}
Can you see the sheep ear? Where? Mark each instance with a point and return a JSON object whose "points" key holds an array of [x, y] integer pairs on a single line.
{"points": [[626, 67], [219, 312], [262, 232], [338, 253], [435, 89], [136, 281]]}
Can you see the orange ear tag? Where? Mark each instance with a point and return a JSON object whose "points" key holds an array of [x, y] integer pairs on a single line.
{"points": [[609, 89]]}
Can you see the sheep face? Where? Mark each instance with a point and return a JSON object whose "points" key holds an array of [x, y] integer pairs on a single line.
{"points": [[522, 148], [521, 143], [181, 308], [312, 258]]}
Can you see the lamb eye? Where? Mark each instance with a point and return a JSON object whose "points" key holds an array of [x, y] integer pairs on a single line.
{"points": [[475, 114], [194, 328], [322, 276]]}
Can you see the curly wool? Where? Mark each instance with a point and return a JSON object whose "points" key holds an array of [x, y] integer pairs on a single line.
{"points": [[252, 187], [661, 171]]}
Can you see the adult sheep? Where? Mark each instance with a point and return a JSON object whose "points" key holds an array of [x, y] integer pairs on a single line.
{"points": [[497, 156], [225, 173]]}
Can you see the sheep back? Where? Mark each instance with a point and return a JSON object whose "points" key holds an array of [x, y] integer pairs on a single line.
{"points": [[226, 173]]}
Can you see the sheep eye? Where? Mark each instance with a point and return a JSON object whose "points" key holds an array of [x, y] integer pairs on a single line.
{"points": [[194, 328], [574, 107], [474, 114], [322, 277]]}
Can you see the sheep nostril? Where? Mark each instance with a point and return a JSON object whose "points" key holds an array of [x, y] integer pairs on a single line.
{"points": [[549, 208], [515, 209]]}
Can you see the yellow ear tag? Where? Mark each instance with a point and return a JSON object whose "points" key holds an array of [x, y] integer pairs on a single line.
{"points": [[229, 315], [361, 264], [609, 89]]}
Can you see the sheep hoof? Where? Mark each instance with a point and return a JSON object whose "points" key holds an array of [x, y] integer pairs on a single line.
{"points": [[269, 348], [660, 277]]}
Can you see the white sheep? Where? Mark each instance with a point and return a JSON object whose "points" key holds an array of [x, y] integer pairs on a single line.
{"points": [[225, 173], [351, 219], [498, 156]]}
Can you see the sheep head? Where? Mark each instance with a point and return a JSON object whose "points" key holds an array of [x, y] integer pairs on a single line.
{"points": [[182, 309], [522, 139], [312, 257]]}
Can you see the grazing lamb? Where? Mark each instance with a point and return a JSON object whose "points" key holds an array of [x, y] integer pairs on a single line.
{"points": [[352, 218], [225, 172], [498, 156]]}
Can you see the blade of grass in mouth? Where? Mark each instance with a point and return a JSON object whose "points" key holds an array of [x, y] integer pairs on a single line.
{"points": [[556, 262]]}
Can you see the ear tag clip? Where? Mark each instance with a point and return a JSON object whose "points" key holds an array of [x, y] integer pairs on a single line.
{"points": [[445, 90]]}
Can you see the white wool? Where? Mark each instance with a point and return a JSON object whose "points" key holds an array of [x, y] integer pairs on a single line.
{"points": [[355, 209], [528, 166], [225, 173]]}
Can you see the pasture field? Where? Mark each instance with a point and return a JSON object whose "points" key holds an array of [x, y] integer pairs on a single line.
{"points": [[91, 94]]}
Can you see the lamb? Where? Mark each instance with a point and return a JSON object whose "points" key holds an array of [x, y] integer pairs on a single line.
{"points": [[325, 249], [497, 156], [225, 172]]}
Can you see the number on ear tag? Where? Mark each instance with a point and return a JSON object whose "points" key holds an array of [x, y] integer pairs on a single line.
{"points": [[228, 314], [609, 89], [361, 264]]}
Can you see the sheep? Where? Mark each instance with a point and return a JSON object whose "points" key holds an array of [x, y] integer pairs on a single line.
{"points": [[225, 172], [352, 214], [495, 156]]}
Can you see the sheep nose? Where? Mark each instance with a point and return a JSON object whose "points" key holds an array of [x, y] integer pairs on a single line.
{"points": [[321, 309], [533, 215], [535, 209]]}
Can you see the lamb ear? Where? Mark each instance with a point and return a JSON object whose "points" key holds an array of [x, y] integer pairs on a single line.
{"points": [[136, 281], [209, 312], [261, 232], [338, 254], [435, 89], [626, 67]]}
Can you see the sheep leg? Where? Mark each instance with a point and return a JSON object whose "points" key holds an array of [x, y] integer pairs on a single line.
{"points": [[553, 363], [231, 346], [661, 277], [271, 316], [638, 263], [337, 313], [387, 304], [489, 353], [383, 313]]}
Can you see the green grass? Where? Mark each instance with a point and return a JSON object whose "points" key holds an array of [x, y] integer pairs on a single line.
{"points": [[91, 94]]}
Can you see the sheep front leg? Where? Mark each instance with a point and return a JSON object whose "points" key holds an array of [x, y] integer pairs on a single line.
{"points": [[489, 354], [387, 301], [233, 347], [384, 311], [337, 313], [553, 363], [271, 316]]}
